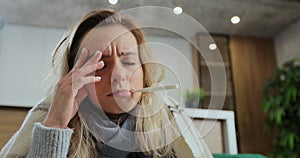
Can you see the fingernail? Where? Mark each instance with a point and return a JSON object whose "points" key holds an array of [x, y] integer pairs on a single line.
{"points": [[83, 50], [97, 52], [100, 62], [98, 78]]}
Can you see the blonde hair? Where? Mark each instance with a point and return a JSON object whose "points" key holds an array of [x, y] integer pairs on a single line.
{"points": [[82, 143]]}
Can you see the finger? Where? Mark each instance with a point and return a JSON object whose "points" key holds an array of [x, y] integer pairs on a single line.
{"points": [[82, 81], [89, 69], [82, 58], [94, 59]]}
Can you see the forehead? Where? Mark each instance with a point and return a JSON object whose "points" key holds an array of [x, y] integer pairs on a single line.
{"points": [[101, 37]]}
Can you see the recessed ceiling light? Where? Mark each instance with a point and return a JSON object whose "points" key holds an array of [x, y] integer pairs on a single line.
{"points": [[177, 10], [212, 46], [113, 1], [235, 19]]}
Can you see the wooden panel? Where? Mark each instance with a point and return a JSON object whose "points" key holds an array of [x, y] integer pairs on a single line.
{"points": [[212, 134], [253, 63], [11, 119]]}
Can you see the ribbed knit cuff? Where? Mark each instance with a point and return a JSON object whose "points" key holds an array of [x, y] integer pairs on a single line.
{"points": [[49, 142]]}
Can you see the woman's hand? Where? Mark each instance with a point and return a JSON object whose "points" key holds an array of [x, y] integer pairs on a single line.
{"points": [[71, 90]]}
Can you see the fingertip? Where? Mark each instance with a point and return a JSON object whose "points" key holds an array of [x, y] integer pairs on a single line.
{"points": [[101, 62], [98, 52], [98, 78], [84, 50], [98, 55]]}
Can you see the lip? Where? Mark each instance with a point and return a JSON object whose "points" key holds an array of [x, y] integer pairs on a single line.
{"points": [[120, 93]]}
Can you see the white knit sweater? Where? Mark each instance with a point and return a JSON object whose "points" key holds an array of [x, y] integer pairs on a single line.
{"points": [[49, 142]]}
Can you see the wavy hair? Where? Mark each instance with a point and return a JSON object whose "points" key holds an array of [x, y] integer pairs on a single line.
{"points": [[63, 59]]}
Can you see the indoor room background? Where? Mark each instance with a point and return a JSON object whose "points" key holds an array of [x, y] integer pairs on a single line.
{"points": [[266, 35]]}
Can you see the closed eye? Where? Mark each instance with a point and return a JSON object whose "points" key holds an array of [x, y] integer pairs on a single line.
{"points": [[129, 63]]}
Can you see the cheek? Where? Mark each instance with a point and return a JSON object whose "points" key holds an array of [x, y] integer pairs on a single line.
{"points": [[96, 91], [137, 78]]}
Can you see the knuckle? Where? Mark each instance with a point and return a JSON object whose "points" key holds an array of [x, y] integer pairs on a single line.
{"points": [[61, 82], [92, 67], [77, 72], [95, 67], [92, 79]]}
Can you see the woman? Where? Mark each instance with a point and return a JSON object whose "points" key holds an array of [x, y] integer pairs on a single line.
{"points": [[98, 65]]}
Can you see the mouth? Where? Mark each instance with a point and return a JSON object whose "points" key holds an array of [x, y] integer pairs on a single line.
{"points": [[120, 93]]}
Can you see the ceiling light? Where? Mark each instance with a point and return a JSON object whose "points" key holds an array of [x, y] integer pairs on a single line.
{"points": [[113, 1], [177, 10], [235, 19]]}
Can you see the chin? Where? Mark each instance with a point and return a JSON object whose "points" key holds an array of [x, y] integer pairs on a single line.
{"points": [[118, 105], [125, 104]]}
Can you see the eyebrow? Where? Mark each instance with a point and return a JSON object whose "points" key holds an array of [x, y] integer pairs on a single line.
{"points": [[107, 55]]}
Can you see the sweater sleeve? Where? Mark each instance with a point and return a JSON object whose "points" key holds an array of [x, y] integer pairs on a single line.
{"points": [[49, 142]]}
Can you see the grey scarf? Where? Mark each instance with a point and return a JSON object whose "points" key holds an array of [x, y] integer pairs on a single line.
{"points": [[115, 137]]}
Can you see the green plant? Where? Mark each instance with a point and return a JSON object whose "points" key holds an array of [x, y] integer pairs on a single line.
{"points": [[282, 106], [193, 97]]}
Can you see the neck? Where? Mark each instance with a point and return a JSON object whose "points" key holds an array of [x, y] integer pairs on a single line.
{"points": [[114, 116]]}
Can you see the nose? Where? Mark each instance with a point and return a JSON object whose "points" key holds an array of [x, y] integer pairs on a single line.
{"points": [[118, 74]]}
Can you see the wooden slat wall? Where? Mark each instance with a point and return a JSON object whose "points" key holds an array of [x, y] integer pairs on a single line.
{"points": [[253, 63], [11, 119]]}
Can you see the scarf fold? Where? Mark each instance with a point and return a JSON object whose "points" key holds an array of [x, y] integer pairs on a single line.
{"points": [[106, 131]]}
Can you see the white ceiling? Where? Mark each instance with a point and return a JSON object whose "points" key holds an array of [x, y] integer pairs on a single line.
{"points": [[262, 18]]}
